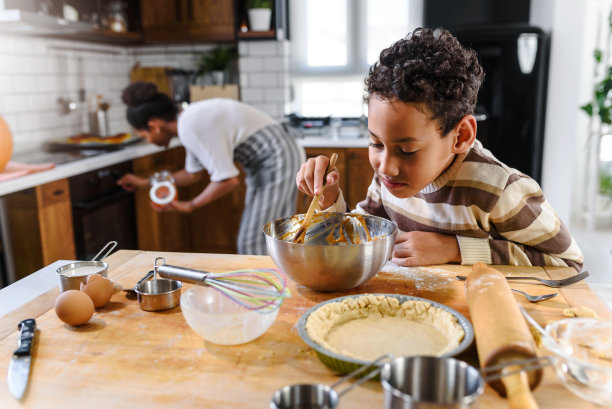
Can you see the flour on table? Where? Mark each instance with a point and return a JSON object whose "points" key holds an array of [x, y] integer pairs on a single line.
{"points": [[424, 278]]}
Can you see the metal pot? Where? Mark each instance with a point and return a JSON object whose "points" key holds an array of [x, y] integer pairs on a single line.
{"points": [[72, 275]]}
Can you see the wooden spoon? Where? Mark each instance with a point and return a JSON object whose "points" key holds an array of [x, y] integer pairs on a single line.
{"points": [[298, 238]]}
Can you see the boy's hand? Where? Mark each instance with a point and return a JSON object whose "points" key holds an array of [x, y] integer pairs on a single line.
{"points": [[309, 180], [419, 248]]}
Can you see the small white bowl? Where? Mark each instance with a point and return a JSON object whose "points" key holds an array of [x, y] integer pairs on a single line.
{"points": [[220, 320]]}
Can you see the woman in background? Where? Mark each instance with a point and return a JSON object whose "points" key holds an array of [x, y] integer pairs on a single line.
{"points": [[215, 133]]}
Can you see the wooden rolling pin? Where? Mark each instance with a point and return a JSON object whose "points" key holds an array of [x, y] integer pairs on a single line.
{"points": [[501, 333]]}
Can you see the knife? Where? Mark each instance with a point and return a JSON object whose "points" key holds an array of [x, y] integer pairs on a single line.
{"points": [[19, 367]]}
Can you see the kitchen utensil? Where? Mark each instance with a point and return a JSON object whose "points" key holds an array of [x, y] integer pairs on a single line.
{"points": [[315, 202], [261, 290], [220, 320], [314, 396], [550, 283], [323, 262], [72, 275], [19, 366], [158, 294], [583, 349], [501, 340], [416, 382], [132, 291], [345, 364], [535, 298]]}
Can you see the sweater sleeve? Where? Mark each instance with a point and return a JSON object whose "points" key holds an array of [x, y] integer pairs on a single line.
{"points": [[524, 230]]}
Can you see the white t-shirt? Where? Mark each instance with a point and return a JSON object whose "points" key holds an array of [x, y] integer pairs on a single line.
{"points": [[211, 129]]}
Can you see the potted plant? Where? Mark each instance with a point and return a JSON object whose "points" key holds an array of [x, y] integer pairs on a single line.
{"points": [[260, 14], [216, 62], [599, 110]]}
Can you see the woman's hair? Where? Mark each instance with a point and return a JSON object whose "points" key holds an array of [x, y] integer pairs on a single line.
{"points": [[432, 69], [145, 102]]}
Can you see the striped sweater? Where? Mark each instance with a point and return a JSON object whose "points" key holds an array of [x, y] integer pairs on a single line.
{"points": [[498, 214]]}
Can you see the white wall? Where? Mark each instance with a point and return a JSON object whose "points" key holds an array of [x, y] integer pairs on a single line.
{"points": [[569, 86], [36, 71]]}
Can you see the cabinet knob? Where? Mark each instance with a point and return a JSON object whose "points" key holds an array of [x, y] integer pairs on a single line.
{"points": [[58, 192]]}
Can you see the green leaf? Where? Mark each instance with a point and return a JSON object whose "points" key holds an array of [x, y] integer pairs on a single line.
{"points": [[604, 115], [597, 54], [588, 108]]}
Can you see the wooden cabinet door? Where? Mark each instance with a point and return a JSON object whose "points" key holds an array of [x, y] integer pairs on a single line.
{"points": [[164, 21], [159, 231], [359, 175], [211, 20], [303, 201], [40, 226], [214, 228]]}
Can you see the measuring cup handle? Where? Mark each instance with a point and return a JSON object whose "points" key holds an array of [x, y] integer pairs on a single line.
{"points": [[113, 244], [187, 275], [360, 370]]}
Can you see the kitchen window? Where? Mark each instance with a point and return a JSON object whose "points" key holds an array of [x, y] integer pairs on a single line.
{"points": [[334, 42]]}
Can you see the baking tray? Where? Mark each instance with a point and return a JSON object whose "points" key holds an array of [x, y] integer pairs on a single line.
{"points": [[345, 364], [63, 144]]}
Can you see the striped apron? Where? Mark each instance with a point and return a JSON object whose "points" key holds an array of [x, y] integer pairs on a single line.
{"points": [[271, 159]]}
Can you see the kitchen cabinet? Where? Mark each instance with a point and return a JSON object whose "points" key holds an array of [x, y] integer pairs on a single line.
{"points": [[167, 21], [359, 175], [212, 228], [355, 174], [40, 226], [159, 230]]}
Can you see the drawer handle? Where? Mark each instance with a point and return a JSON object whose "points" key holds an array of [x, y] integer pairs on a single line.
{"points": [[58, 192]]}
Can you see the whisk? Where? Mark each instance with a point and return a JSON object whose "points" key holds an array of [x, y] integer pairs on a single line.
{"points": [[262, 290]]}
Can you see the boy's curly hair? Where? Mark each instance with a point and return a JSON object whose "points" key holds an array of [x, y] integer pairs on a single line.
{"points": [[430, 68]]}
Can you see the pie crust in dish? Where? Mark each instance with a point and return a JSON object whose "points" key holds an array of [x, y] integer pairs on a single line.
{"points": [[369, 326]]}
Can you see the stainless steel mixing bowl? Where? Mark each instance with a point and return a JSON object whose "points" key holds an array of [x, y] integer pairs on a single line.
{"points": [[340, 250]]}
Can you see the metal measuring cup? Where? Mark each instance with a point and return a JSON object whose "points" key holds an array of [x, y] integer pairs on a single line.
{"points": [[318, 396], [158, 294], [415, 382], [72, 275], [428, 382]]}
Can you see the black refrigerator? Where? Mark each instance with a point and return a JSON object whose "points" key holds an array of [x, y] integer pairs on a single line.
{"points": [[511, 106]]}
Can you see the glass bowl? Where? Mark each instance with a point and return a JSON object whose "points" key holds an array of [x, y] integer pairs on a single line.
{"points": [[583, 348], [220, 320]]}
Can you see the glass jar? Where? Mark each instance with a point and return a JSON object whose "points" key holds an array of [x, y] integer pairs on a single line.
{"points": [[116, 17], [163, 189]]}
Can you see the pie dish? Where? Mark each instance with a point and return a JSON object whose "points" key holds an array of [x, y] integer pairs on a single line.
{"points": [[352, 331]]}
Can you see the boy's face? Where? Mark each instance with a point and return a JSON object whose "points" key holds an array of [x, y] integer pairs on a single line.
{"points": [[407, 150]]}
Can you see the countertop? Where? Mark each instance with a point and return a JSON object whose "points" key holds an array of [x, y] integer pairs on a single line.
{"points": [[125, 357], [92, 160]]}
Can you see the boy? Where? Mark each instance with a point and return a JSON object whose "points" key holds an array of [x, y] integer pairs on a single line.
{"points": [[452, 200]]}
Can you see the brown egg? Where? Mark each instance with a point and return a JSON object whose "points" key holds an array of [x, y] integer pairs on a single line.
{"points": [[74, 307], [99, 289]]}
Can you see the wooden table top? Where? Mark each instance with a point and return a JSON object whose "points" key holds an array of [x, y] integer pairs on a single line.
{"points": [[125, 357]]}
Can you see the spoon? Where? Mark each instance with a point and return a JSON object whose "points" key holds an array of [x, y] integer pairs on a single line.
{"points": [[315, 202], [535, 298]]}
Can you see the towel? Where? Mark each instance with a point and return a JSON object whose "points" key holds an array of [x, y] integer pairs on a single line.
{"points": [[14, 170]]}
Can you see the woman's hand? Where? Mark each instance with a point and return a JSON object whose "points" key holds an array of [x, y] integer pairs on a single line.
{"points": [[309, 180], [130, 182], [420, 248], [175, 206]]}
